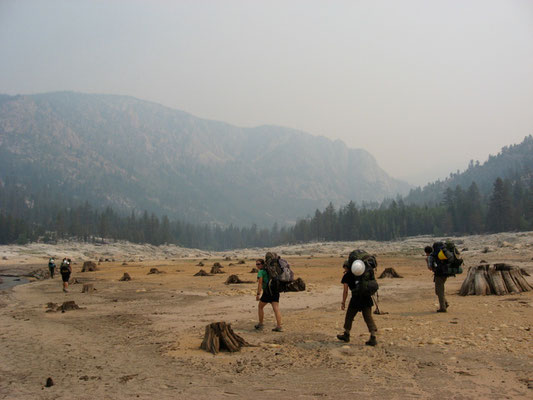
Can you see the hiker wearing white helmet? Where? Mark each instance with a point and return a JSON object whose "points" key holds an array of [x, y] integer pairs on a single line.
{"points": [[357, 275]]}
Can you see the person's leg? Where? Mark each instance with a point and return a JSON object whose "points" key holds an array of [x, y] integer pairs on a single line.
{"points": [[439, 291], [351, 312], [277, 313], [261, 314], [371, 325]]}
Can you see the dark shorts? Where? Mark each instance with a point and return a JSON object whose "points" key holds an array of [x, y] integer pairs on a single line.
{"points": [[267, 297], [65, 277]]}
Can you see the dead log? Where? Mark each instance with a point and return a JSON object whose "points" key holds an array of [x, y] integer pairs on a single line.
{"points": [[88, 288], [125, 277], [202, 273], [220, 336], [88, 266], [498, 279], [389, 273]]}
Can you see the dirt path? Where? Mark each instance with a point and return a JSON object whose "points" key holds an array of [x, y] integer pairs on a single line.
{"points": [[140, 339]]}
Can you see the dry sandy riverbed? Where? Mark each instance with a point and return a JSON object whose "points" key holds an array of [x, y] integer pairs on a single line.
{"points": [[140, 339]]}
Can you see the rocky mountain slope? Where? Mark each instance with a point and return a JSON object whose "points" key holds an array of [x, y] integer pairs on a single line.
{"points": [[136, 155]]}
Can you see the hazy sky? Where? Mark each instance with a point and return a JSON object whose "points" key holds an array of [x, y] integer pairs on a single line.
{"points": [[424, 86]]}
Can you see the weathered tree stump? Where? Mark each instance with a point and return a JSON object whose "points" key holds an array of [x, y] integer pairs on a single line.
{"points": [[389, 273], [217, 268], [125, 277], [200, 264], [297, 285], [88, 288], [201, 273], [88, 266], [49, 382], [496, 279], [154, 271], [241, 262], [254, 270], [219, 336], [235, 279]]}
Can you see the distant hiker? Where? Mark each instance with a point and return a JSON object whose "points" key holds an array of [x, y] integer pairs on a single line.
{"points": [[52, 267], [439, 277], [270, 295], [65, 269], [359, 278]]}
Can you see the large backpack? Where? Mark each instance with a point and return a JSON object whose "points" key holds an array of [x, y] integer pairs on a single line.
{"points": [[447, 258], [286, 272], [64, 269], [369, 260], [272, 265], [367, 285], [279, 273]]}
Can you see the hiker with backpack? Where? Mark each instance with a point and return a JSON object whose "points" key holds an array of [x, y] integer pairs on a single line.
{"points": [[270, 293], [65, 270], [51, 267], [359, 278], [444, 261]]}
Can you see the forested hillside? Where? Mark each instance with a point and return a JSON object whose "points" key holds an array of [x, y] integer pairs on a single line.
{"points": [[132, 155], [514, 162]]}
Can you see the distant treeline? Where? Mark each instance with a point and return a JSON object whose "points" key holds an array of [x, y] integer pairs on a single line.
{"points": [[509, 207]]}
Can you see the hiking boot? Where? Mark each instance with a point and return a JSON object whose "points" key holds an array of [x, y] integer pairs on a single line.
{"points": [[447, 305], [372, 341], [259, 327], [277, 329], [345, 337], [441, 310]]}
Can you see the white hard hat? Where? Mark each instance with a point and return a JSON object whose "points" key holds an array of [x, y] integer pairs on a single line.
{"points": [[358, 267]]}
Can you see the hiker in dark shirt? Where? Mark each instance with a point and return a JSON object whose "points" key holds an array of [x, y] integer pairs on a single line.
{"points": [[270, 295], [65, 269], [357, 303], [52, 267], [438, 277]]}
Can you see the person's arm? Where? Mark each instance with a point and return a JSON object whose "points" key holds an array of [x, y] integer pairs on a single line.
{"points": [[429, 262], [259, 287], [344, 296]]}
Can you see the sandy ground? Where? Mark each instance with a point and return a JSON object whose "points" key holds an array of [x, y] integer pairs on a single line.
{"points": [[140, 339]]}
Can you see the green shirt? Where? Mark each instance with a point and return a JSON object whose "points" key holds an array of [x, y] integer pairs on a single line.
{"points": [[263, 274]]}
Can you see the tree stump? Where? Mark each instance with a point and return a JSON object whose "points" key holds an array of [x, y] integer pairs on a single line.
{"points": [[200, 264], [88, 266], [201, 273], [496, 279], [217, 268], [297, 285], [254, 270], [389, 273], [125, 277], [219, 336], [68, 305], [235, 279], [88, 288], [154, 271]]}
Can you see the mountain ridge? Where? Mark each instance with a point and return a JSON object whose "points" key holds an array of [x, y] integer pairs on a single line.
{"points": [[134, 154]]}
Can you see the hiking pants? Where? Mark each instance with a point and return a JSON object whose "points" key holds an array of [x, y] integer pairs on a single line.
{"points": [[367, 315], [440, 291]]}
